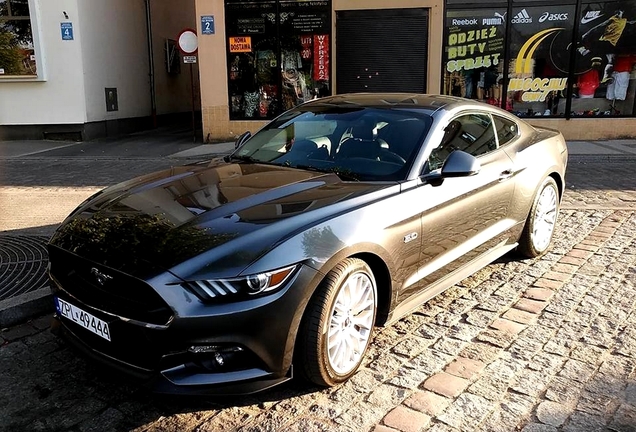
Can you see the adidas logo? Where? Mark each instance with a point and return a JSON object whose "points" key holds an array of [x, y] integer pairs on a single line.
{"points": [[521, 18]]}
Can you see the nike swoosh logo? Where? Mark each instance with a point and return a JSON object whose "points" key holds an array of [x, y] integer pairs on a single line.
{"points": [[586, 20]]}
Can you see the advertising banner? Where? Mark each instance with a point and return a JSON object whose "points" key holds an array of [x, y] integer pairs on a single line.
{"points": [[474, 53], [540, 47]]}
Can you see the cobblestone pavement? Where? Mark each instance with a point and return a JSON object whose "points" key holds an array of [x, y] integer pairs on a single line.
{"points": [[535, 345]]}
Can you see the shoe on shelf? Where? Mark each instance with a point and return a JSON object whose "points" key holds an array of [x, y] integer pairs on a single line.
{"points": [[583, 51]]}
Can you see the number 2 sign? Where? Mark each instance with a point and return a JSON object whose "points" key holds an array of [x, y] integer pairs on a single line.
{"points": [[207, 24]]}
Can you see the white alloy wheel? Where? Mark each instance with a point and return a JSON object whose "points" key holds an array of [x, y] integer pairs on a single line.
{"points": [[350, 323], [337, 324], [545, 217], [537, 234]]}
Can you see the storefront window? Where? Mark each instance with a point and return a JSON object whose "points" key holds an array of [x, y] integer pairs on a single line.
{"points": [[17, 53], [278, 55], [606, 60], [540, 43], [474, 53]]}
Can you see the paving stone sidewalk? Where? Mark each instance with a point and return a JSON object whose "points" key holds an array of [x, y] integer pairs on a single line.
{"points": [[534, 345], [538, 345]]}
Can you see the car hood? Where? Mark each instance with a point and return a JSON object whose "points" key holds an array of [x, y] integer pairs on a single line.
{"points": [[156, 222]]}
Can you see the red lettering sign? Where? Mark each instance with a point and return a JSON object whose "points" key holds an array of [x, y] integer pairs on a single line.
{"points": [[321, 57]]}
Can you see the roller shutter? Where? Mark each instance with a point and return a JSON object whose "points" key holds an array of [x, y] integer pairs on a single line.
{"points": [[381, 50]]}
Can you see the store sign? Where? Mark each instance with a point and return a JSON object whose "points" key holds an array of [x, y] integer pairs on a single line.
{"points": [[536, 89], [474, 43], [321, 57], [471, 48], [240, 44]]}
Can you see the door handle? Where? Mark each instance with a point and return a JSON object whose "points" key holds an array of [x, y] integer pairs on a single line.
{"points": [[505, 175]]}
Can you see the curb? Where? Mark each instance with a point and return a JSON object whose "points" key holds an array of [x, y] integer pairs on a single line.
{"points": [[24, 307]]}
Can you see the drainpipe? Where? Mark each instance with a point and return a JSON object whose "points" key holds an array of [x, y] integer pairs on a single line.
{"points": [[151, 67]]}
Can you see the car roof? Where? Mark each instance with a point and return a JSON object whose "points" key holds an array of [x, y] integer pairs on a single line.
{"points": [[428, 103]]}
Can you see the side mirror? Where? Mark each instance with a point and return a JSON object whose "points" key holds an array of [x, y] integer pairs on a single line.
{"points": [[457, 164], [242, 138], [460, 164]]}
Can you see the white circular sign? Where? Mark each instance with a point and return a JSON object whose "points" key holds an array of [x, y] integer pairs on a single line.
{"points": [[188, 42]]}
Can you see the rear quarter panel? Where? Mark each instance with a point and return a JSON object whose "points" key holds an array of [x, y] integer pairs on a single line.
{"points": [[536, 154]]}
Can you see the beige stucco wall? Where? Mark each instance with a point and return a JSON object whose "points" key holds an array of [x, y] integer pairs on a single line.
{"points": [[214, 89]]}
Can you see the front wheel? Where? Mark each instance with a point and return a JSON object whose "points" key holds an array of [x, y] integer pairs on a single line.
{"points": [[539, 229], [337, 325]]}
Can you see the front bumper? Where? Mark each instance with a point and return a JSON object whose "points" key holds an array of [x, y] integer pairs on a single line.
{"points": [[261, 330]]}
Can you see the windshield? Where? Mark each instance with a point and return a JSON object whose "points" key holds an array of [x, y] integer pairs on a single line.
{"points": [[368, 144]]}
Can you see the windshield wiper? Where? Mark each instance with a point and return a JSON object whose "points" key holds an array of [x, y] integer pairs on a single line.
{"points": [[244, 158], [346, 175]]}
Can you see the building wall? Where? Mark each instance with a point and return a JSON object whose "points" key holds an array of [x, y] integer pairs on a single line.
{"points": [[57, 96], [173, 92], [214, 86], [115, 54], [212, 49]]}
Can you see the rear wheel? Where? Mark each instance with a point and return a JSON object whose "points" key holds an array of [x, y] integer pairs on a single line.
{"points": [[539, 229], [337, 325]]}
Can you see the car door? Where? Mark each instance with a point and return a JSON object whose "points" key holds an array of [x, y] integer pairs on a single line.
{"points": [[463, 217]]}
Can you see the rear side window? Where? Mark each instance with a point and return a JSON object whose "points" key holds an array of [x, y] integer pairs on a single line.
{"points": [[472, 133], [506, 129]]}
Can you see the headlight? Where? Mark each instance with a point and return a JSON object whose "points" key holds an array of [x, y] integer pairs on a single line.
{"points": [[232, 289]]}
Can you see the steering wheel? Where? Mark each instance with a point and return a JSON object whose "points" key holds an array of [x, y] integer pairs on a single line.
{"points": [[389, 156]]}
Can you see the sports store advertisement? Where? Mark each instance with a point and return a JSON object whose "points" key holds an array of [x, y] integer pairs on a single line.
{"points": [[540, 43], [606, 59], [474, 53], [551, 60]]}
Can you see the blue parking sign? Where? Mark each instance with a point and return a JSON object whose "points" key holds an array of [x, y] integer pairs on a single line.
{"points": [[67, 30], [207, 24]]}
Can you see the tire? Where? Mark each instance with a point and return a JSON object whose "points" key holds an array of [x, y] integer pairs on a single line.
{"points": [[335, 332], [537, 234]]}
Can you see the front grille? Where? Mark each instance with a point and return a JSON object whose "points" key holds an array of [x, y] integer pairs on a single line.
{"points": [[121, 295]]}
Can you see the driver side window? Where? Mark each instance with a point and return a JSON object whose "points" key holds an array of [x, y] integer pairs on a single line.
{"points": [[472, 133]]}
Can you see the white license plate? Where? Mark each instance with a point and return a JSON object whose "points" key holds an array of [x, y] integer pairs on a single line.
{"points": [[83, 318]]}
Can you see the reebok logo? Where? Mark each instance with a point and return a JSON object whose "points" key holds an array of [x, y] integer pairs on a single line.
{"points": [[547, 16], [521, 18], [460, 22], [590, 16]]}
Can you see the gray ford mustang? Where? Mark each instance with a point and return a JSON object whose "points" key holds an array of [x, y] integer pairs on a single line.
{"points": [[348, 212]]}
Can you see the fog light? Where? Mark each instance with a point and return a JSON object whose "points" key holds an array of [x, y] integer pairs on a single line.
{"points": [[200, 349], [211, 349]]}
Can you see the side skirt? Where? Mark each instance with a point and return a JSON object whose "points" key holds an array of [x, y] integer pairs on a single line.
{"points": [[412, 303]]}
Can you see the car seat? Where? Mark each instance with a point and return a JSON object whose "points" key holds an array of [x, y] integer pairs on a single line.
{"points": [[362, 143]]}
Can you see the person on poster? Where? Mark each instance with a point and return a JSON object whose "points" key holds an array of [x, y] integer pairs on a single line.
{"points": [[612, 30]]}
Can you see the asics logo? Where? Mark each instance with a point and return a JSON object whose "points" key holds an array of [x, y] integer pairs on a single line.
{"points": [[547, 16]]}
